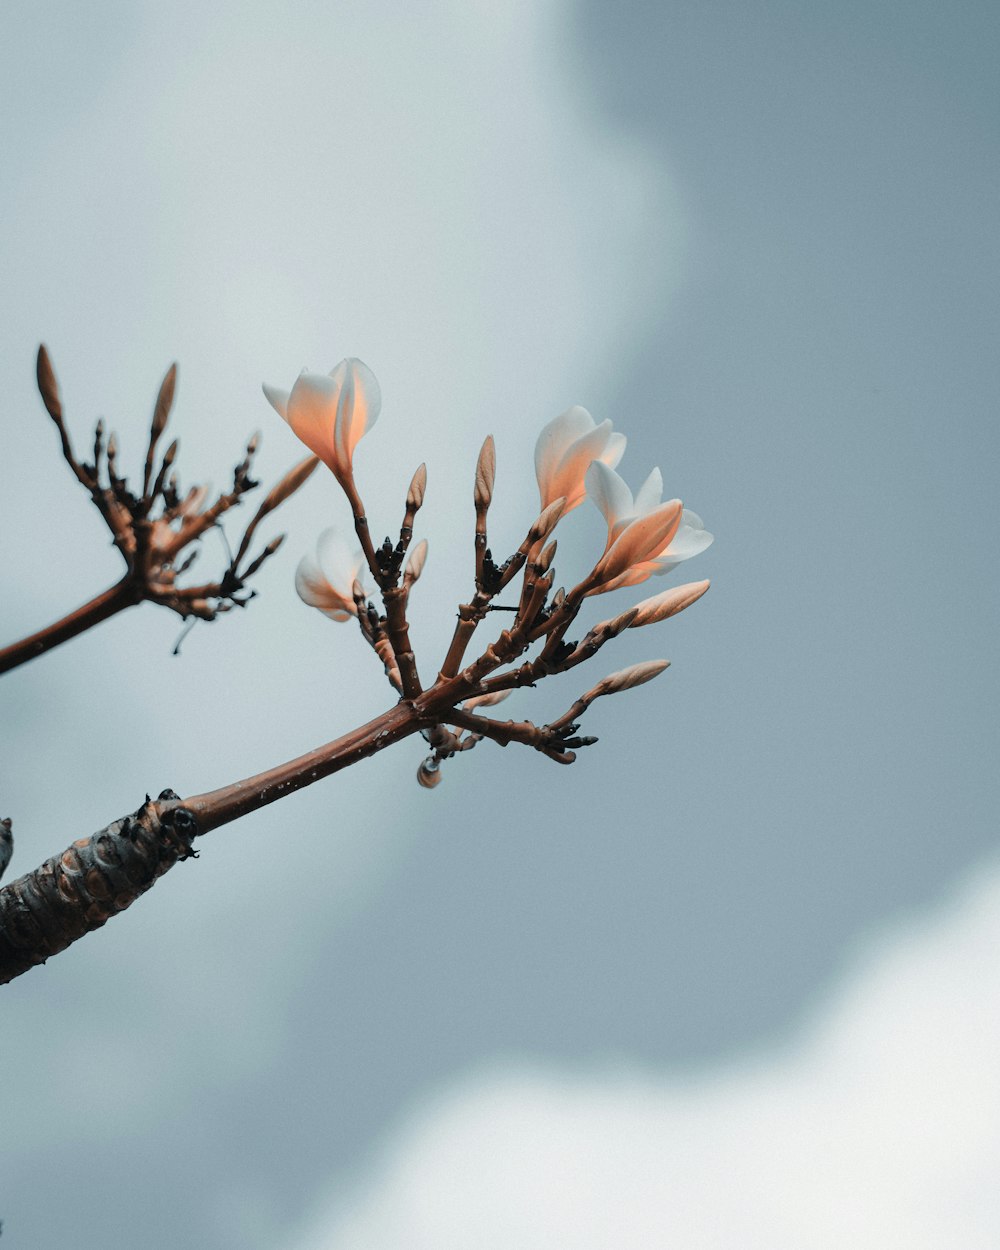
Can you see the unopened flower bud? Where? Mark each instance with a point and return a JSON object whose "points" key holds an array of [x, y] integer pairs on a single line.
{"points": [[626, 678], [486, 469], [547, 522], [669, 603], [164, 402], [429, 773], [418, 485], [48, 387], [617, 624], [485, 700]]}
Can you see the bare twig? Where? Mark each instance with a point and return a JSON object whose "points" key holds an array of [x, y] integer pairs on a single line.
{"points": [[156, 530]]}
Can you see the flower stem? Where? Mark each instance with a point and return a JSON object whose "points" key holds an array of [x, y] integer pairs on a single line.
{"points": [[219, 807]]}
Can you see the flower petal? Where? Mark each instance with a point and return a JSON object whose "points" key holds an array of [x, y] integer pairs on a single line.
{"points": [[277, 398], [568, 477], [610, 492], [311, 411], [615, 449], [340, 564], [690, 540], [558, 435], [649, 494], [359, 401], [314, 589], [639, 541]]}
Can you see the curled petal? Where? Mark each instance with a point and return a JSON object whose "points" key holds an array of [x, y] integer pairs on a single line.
{"points": [[415, 564], [330, 413], [566, 447], [327, 582], [277, 398], [690, 540], [638, 541], [611, 494], [649, 494], [359, 401], [311, 411], [316, 591]]}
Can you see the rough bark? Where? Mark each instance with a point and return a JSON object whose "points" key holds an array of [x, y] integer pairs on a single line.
{"points": [[80, 889]]}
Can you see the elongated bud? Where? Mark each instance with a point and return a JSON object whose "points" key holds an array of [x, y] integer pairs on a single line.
{"points": [[112, 446], [415, 495], [164, 402], [48, 387], [486, 471], [617, 624], [170, 455], [266, 554], [558, 597], [415, 564], [288, 485], [485, 700], [429, 774], [626, 678], [547, 522], [254, 443], [546, 558], [669, 603]]}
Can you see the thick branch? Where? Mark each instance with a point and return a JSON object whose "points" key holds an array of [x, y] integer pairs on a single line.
{"points": [[76, 892], [219, 807]]}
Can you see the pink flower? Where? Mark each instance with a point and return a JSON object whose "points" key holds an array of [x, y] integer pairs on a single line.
{"points": [[633, 528], [330, 413], [327, 582], [565, 450]]}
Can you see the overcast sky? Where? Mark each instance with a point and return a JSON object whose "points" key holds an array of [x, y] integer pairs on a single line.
{"points": [[763, 242]]}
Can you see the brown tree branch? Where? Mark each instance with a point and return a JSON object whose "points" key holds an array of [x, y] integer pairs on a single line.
{"points": [[153, 529], [80, 889], [100, 608]]}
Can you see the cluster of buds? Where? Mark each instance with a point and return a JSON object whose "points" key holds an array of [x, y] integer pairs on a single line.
{"points": [[575, 458], [158, 529]]}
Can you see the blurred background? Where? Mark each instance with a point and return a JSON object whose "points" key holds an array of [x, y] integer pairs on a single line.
{"points": [[731, 979]]}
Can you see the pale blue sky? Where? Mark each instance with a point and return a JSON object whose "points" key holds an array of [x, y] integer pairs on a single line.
{"points": [[763, 241]]}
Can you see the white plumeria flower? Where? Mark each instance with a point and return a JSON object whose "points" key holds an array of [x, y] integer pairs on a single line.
{"points": [[565, 449], [621, 510], [327, 581], [330, 412]]}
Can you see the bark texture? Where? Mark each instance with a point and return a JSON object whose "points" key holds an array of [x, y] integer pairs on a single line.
{"points": [[75, 892]]}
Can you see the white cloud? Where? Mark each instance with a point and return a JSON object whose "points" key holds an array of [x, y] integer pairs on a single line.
{"points": [[878, 1129]]}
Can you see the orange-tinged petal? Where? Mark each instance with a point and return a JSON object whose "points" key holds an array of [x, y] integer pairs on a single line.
{"points": [[359, 402], [565, 449], [639, 541], [311, 411]]}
